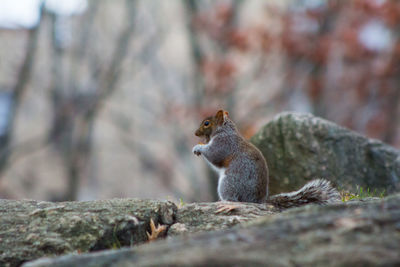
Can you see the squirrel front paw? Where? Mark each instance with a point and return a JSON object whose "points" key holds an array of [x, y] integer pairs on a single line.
{"points": [[197, 149]]}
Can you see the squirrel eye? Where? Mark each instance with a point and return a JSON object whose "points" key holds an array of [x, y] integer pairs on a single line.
{"points": [[206, 123]]}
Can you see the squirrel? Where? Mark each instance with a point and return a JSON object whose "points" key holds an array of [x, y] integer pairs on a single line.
{"points": [[243, 170]]}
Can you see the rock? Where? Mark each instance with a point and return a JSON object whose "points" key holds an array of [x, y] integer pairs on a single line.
{"points": [[301, 147], [200, 217], [352, 234], [32, 229]]}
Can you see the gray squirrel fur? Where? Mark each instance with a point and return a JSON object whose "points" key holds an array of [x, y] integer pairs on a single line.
{"points": [[243, 171]]}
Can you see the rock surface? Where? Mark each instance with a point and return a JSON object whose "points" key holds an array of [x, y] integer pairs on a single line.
{"points": [[32, 229], [201, 217], [352, 234], [301, 147]]}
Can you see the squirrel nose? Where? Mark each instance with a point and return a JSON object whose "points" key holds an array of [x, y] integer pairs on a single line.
{"points": [[197, 133]]}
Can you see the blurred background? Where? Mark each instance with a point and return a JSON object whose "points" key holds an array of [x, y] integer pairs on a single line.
{"points": [[100, 98]]}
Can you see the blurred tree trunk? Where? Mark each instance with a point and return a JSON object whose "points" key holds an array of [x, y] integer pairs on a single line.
{"points": [[18, 91], [191, 11], [393, 111], [75, 109]]}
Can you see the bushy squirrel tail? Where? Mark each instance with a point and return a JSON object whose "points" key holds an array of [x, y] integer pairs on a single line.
{"points": [[317, 191]]}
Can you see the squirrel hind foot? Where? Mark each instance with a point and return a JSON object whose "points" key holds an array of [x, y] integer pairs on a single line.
{"points": [[226, 208]]}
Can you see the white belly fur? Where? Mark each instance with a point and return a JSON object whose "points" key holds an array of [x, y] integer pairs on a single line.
{"points": [[221, 176], [220, 171]]}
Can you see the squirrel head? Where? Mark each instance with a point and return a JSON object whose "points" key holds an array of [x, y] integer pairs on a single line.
{"points": [[210, 124]]}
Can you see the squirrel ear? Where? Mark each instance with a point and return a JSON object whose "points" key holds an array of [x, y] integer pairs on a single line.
{"points": [[225, 115], [221, 116]]}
